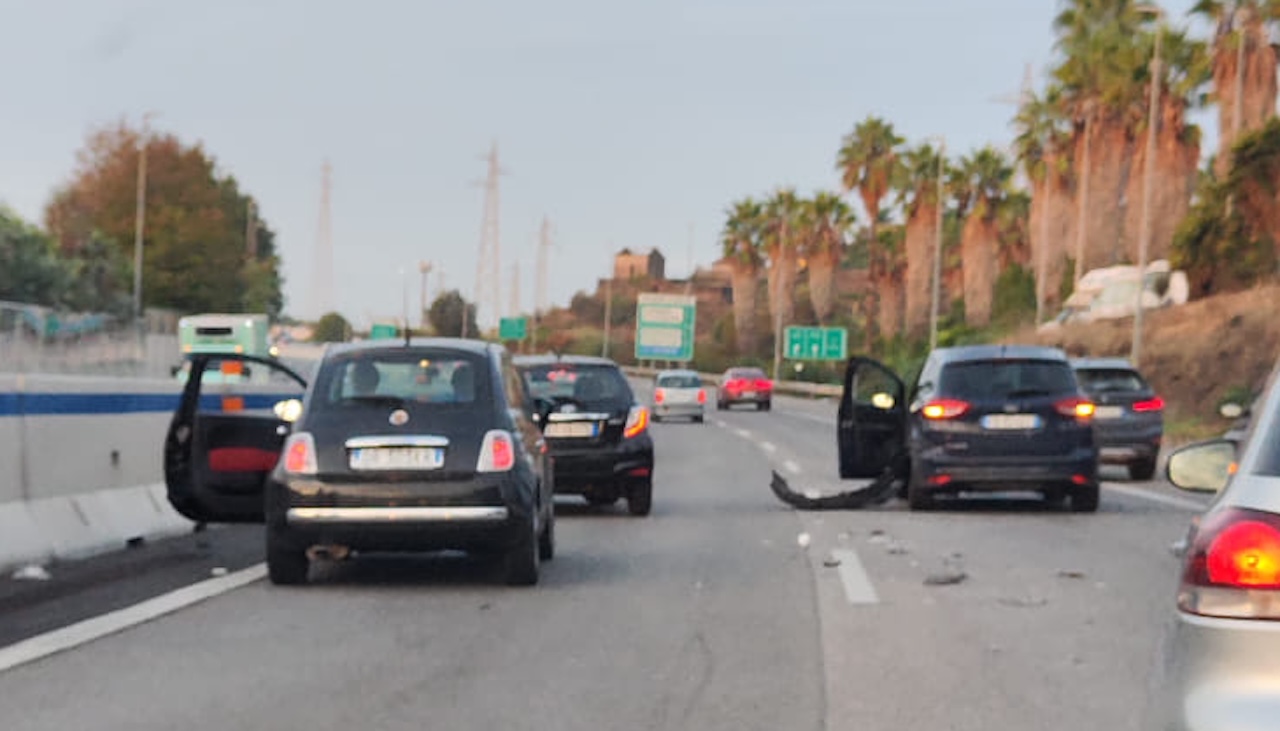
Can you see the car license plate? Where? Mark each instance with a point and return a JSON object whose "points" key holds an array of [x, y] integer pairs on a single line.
{"points": [[572, 429], [1010, 421], [397, 458], [748, 394], [1108, 412]]}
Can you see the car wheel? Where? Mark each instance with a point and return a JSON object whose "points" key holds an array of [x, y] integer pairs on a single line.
{"points": [[520, 563], [699, 419], [768, 405], [287, 563], [1084, 499], [547, 541], [656, 418], [918, 496], [640, 498], [1142, 470]]}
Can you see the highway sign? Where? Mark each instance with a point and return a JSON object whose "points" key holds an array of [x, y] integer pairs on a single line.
{"points": [[513, 328], [817, 343], [383, 331], [665, 326]]}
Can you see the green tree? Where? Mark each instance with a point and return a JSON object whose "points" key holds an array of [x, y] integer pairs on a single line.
{"points": [[30, 270], [741, 240], [447, 312], [918, 194], [828, 226], [331, 328]]}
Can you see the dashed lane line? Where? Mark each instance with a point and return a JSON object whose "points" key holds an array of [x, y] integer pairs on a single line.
{"points": [[769, 447], [792, 466], [857, 585]]}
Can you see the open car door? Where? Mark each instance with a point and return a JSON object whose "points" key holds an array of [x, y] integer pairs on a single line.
{"points": [[226, 435], [872, 420]]}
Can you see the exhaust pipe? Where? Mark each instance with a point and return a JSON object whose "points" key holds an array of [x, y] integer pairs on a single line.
{"points": [[328, 553]]}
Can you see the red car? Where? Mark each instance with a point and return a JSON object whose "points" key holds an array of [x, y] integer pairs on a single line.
{"points": [[745, 386]]}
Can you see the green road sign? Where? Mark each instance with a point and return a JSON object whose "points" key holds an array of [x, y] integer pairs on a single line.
{"points": [[665, 326], [513, 328], [383, 331], [817, 343]]}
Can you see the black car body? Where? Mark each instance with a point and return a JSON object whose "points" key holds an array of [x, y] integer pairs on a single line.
{"points": [[1128, 423], [596, 431], [978, 418], [393, 447]]}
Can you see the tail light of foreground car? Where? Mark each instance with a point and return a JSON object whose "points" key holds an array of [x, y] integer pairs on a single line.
{"points": [[1153, 404], [637, 422], [300, 454], [945, 409], [1079, 408], [1233, 567], [497, 452]]}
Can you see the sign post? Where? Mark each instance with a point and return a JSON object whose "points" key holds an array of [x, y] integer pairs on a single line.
{"points": [[817, 343], [665, 327]]}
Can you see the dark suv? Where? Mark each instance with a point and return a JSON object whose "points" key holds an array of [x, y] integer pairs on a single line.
{"points": [[1128, 424], [596, 432], [394, 447], [978, 418]]}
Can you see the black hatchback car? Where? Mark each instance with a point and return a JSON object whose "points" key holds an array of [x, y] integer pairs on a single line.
{"points": [[978, 418], [596, 431], [420, 446], [1128, 425]]}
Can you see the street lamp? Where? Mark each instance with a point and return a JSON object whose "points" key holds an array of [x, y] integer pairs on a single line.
{"points": [[937, 247], [1144, 229], [140, 215]]}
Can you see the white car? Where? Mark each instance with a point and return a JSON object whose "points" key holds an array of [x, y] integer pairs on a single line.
{"points": [[679, 393]]}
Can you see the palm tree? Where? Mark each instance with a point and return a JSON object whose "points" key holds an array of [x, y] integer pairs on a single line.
{"points": [[741, 241], [1241, 33], [782, 230], [987, 175], [1043, 146], [918, 194], [829, 222], [867, 161]]}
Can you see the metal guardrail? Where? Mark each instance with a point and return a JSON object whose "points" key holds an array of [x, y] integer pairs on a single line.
{"points": [[793, 388]]}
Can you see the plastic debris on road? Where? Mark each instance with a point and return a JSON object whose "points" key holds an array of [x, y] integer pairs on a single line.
{"points": [[32, 572]]}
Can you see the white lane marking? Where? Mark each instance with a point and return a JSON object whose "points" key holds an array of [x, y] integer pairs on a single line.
{"points": [[1155, 497], [59, 640], [792, 466], [743, 433], [720, 423], [769, 447], [811, 417], [857, 585]]}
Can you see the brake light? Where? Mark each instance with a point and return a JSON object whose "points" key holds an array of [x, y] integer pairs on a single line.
{"points": [[637, 422], [659, 396], [733, 385], [945, 409], [1153, 404], [300, 454], [702, 396], [497, 452], [1075, 406], [1233, 567], [763, 384]]}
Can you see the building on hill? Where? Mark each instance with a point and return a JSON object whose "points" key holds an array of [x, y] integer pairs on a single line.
{"points": [[628, 265]]}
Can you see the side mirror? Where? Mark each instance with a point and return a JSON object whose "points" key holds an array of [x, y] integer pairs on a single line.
{"points": [[883, 401], [1203, 467], [288, 410], [542, 408], [1231, 410]]}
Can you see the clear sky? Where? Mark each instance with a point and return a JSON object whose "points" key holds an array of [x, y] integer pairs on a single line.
{"points": [[628, 124]]}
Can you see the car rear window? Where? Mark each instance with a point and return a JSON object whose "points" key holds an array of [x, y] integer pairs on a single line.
{"points": [[591, 386], [1105, 380], [680, 380], [420, 378], [1003, 379], [745, 373]]}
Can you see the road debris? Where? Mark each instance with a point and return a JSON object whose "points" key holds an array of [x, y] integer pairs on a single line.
{"points": [[831, 561], [219, 571], [1069, 574], [32, 572], [803, 540], [1023, 602], [945, 578]]}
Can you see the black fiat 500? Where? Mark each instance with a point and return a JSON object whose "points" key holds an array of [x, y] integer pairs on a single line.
{"points": [[596, 432], [393, 447]]}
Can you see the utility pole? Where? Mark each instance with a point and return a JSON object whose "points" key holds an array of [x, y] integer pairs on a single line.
{"points": [[513, 307], [937, 247], [540, 287], [688, 287], [608, 315], [424, 268], [777, 299], [489, 262], [140, 216], [324, 245]]}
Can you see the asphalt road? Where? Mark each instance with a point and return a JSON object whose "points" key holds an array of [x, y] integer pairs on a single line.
{"points": [[985, 615]]}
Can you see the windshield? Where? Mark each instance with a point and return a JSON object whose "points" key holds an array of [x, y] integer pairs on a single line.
{"points": [[1003, 379], [589, 386], [1099, 380], [679, 380]]}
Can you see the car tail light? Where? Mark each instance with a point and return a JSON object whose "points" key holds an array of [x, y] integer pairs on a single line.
{"points": [[1152, 404], [763, 384], [637, 422], [1233, 567], [497, 452], [1075, 406], [702, 396], [300, 454], [659, 396], [945, 409], [733, 384]]}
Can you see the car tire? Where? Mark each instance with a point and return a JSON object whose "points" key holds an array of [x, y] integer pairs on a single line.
{"points": [[640, 498], [656, 418], [699, 419], [547, 540], [1084, 499], [520, 562], [287, 563], [918, 496], [1142, 470], [768, 405]]}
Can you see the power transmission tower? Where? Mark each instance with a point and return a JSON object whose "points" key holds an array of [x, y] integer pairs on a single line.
{"points": [[324, 246], [489, 262], [513, 307]]}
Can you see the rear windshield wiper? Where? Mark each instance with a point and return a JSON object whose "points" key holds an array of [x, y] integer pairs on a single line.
{"points": [[1027, 393], [377, 398]]}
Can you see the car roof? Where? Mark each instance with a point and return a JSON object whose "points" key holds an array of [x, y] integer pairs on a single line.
{"points": [[475, 347], [552, 359], [969, 353], [1113, 364]]}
